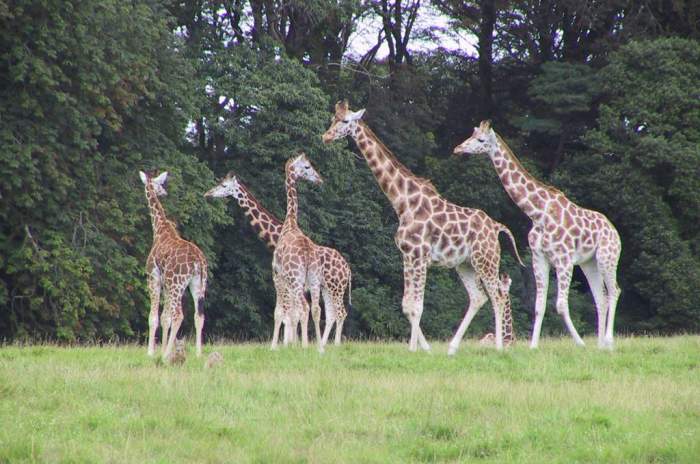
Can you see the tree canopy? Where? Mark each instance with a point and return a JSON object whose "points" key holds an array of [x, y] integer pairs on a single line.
{"points": [[601, 100]]}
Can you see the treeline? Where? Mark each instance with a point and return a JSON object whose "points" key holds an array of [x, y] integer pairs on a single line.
{"points": [[601, 99]]}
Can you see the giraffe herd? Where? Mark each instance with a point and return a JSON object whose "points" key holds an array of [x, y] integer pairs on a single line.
{"points": [[431, 232]]}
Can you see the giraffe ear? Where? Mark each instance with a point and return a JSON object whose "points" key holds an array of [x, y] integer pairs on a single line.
{"points": [[143, 177], [160, 180], [342, 105], [354, 116]]}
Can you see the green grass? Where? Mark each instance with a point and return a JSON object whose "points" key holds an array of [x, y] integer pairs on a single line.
{"points": [[360, 403]]}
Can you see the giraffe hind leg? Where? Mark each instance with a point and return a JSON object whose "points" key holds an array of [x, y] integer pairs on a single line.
{"points": [[597, 286], [477, 298], [154, 288], [198, 287]]}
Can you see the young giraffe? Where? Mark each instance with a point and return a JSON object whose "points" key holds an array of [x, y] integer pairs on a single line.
{"points": [[508, 334], [563, 235], [335, 275], [173, 265], [431, 231], [294, 264]]}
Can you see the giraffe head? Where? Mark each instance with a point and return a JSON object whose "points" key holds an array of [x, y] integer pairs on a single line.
{"points": [[158, 183], [299, 167], [343, 122], [482, 141], [228, 187]]}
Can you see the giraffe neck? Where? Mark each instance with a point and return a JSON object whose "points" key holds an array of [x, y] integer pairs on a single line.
{"points": [[290, 220], [159, 221], [261, 220], [393, 177], [526, 191]]}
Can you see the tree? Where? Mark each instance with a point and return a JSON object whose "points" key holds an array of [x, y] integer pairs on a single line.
{"points": [[643, 173]]}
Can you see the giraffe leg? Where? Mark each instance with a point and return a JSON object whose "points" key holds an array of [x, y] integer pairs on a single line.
{"points": [[303, 308], [330, 315], [340, 314], [166, 318], [175, 307], [316, 314], [595, 282], [279, 308], [613, 292], [564, 274], [198, 286], [540, 266], [154, 286], [493, 289], [477, 298], [415, 271]]}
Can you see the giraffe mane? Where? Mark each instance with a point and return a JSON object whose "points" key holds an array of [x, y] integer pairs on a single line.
{"points": [[522, 168], [254, 199], [400, 166]]}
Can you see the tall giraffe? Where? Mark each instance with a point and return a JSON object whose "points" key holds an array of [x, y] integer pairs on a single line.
{"points": [[431, 231], [173, 265], [563, 235], [294, 265], [335, 276], [508, 333]]}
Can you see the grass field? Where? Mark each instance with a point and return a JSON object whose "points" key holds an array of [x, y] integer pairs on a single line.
{"points": [[362, 402]]}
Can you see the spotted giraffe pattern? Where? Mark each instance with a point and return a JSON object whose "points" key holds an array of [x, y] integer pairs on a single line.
{"points": [[173, 265], [295, 266], [335, 274], [563, 235], [508, 334], [432, 231]]}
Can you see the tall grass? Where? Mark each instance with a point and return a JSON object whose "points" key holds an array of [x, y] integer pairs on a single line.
{"points": [[361, 402]]}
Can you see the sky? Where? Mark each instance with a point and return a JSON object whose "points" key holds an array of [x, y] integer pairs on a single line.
{"points": [[365, 36]]}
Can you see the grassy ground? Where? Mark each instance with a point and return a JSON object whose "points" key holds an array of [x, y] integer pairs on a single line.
{"points": [[362, 402]]}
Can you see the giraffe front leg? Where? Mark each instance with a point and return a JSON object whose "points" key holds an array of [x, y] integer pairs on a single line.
{"points": [[315, 290], [154, 287], [540, 267], [564, 274], [415, 271]]}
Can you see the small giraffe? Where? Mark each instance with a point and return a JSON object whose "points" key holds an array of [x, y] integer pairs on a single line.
{"points": [[294, 264], [335, 276], [563, 235], [508, 334], [173, 265], [431, 231]]}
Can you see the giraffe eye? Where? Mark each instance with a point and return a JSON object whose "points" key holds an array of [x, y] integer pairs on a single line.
{"points": [[481, 140]]}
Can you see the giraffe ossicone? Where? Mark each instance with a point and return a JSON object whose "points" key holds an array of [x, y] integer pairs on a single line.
{"points": [[335, 274], [173, 266], [431, 231], [563, 235]]}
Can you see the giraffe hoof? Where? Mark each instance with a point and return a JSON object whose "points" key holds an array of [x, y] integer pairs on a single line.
{"points": [[451, 351]]}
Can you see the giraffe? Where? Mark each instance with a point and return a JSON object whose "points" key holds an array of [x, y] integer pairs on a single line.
{"points": [[294, 264], [508, 334], [431, 231], [173, 265], [563, 235], [336, 275]]}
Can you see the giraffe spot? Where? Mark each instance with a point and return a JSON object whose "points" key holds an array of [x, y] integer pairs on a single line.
{"points": [[476, 222], [440, 219], [413, 202], [412, 187], [568, 220], [400, 183]]}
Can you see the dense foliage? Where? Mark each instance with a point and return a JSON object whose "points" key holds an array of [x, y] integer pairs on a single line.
{"points": [[601, 101]]}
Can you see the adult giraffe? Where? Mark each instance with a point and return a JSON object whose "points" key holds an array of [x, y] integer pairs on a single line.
{"points": [[294, 265], [563, 235], [173, 265], [335, 276], [431, 231]]}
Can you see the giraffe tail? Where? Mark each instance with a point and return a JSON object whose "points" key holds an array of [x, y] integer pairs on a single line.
{"points": [[501, 228], [350, 291]]}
